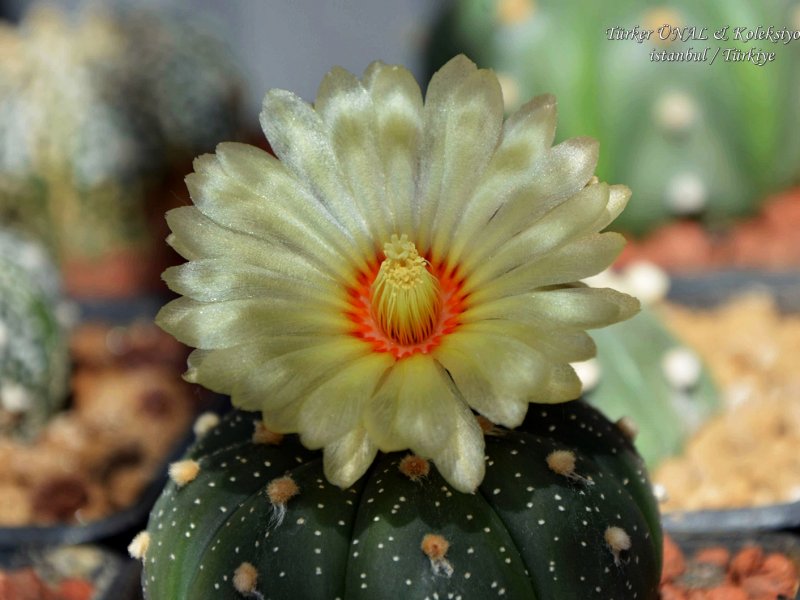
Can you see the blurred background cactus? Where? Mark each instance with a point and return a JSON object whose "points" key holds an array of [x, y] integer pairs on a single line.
{"points": [[691, 139], [97, 110], [34, 364]]}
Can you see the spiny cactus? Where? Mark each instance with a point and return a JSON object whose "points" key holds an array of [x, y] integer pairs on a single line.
{"points": [[95, 112], [686, 137], [33, 349], [565, 511]]}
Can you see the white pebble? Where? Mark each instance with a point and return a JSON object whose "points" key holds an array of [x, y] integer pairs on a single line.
{"points": [[647, 281], [681, 367]]}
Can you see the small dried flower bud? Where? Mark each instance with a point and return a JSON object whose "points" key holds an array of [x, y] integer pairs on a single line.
{"points": [[184, 471], [139, 544], [245, 578], [262, 435], [414, 467]]}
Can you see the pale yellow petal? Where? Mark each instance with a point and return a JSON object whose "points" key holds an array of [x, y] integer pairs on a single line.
{"points": [[195, 236], [221, 279], [463, 121], [229, 323], [334, 408], [282, 220], [397, 103], [572, 262], [301, 140], [495, 375], [527, 137], [348, 458], [462, 461], [348, 112], [573, 308], [561, 225], [559, 174], [415, 407]]}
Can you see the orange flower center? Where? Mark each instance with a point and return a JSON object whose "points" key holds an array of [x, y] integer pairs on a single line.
{"points": [[404, 304]]}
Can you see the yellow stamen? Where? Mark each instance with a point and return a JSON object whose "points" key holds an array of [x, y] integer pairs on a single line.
{"points": [[406, 296]]}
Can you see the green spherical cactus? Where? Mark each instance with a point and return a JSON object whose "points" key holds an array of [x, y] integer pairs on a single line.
{"points": [[689, 138], [642, 358], [565, 511], [33, 346]]}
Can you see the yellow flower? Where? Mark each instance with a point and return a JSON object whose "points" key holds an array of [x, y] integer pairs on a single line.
{"points": [[403, 265]]}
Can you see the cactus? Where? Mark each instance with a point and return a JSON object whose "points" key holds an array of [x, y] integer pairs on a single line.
{"points": [[688, 138], [93, 116], [641, 358], [565, 511], [33, 349]]}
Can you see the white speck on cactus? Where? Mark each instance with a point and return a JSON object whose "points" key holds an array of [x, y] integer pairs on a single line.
{"points": [[681, 367], [686, 194], [588, 372], [139, 544], [15, 398], [205, 423], [184, 471]]}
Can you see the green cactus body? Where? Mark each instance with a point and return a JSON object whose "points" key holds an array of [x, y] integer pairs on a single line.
{"points": [[33, 348], [687, 137], [631, 357], [530, 531]]}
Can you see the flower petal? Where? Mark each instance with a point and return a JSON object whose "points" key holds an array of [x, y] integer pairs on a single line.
{"points": [[229, 323], [302, 142], [397, 102], [572, 262], [461, 462], [574, 308], [415, 407], [561, 173], [526, 138], [334, 407], [348, 458], [221, 279], [494, 375], [287, 216], [463, 120], [347, 110], [195, 236], [559, 226]]}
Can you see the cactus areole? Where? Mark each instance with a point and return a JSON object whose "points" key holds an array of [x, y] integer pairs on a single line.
{"points": [[397, 288], [265, 515]]}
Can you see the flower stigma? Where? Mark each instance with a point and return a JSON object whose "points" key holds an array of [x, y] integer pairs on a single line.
{"points": [[405, 304], [406, 296]]}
